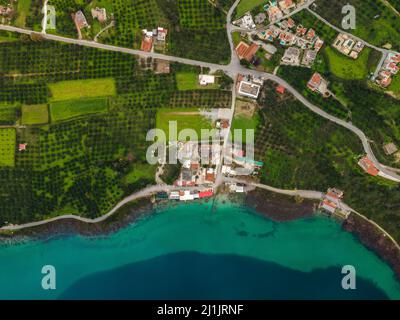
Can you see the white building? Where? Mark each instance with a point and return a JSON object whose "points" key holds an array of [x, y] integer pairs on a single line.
{"points": [[249, 89], [205, 79]]}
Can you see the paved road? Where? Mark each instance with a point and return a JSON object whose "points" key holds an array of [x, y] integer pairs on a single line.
{"points": [[146, 192], [232, 70]]}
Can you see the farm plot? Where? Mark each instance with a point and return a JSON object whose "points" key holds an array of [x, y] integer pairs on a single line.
{"points": [[76, 89], [35, 114], [7, 147], [186, 118], [63, 110]]}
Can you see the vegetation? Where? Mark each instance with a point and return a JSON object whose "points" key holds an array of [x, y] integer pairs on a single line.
{"points": [[196, 28], [304, 151], [247, 5], [76, 89], [186, 118], [347, 68], [22, 12], [63, 110], [89, 163], [7, 147], [376, 22], [36, 114], [171, 173]]}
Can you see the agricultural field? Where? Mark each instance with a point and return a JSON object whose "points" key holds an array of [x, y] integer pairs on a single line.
{"points": [[23, 9], [196, 28], [304, 151], [347, 68], [186, 118], [8, 113], [35, 114], [395, 86], [64, 110], [7, 147], [89, 163], [246, 117], [377, 23], [78, 89]]}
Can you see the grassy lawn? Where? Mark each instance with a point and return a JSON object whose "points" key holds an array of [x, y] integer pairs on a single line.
{"points": [[395, 86], [75, 89], [23, 11], [140, 171], [184, 121], [244, 122], [347, 68], [190, 81], [64, 110], [36, 114], [248, 5], [7, 147]]}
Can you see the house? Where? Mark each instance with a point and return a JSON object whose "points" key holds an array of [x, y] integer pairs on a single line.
{"points": [[318, 44], [329, 206], [147, 42], [186, 195], [22, 147], [385, 78], [292, 56], [390, 148], [368, 166], [161, 34], [309, 57], [162, 66], [210, 175], [318, 84], [286, 5], [249, 89], [99, 14], [246, 22], [80, 20], [280, 89], [206, 79], [260, 18], [274, 13], [348, 45], [310, 35], [206, 194], [245, 51]]}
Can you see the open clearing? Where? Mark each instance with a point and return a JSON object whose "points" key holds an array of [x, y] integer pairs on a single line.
{"points": [[248, 5], [35, 114], [23, 11], [246, 117], [347, 68], [75, 89], [7, 147], [186, 118], [190, 81], [64, 110]]}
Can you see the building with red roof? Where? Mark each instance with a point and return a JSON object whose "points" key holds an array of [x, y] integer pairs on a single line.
{"points": [[280, 89], [244, 51], [206, 194], [368, 166]]}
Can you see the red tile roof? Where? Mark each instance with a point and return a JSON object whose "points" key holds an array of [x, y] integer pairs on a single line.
{"points": [[147, 44], [368, 166], [205, 194], [280, 89], [244, 51]]}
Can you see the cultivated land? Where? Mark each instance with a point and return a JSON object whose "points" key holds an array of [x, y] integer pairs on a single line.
{"points": [[186, 118], [190, 81], [63, 110], [67, 90], [23, 12], [82, 164], [35, 114], [7, 147]]}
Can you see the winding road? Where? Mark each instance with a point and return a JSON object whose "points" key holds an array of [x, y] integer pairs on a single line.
{"points": [[232, 69]]}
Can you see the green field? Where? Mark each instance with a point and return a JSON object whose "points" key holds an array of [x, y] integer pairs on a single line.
{"points": [[23, 11], [7, 147], [184, 121], [190, 81], [75, 89], [395, 86], [35, 114], [140, 171], [243, 122], [347, 68], [248, 5], [63, 110], [8, 113]]}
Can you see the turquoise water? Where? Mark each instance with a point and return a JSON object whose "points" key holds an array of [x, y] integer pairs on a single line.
{"points": [[191, 251]]}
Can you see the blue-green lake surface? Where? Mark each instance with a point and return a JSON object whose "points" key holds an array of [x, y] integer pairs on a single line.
{"points": [[195, 251]]}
